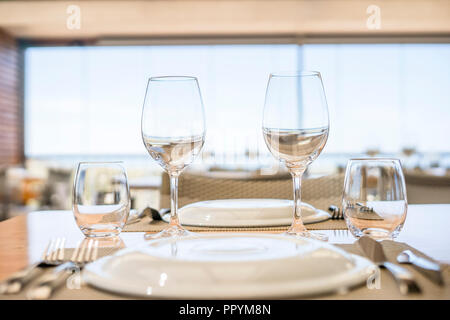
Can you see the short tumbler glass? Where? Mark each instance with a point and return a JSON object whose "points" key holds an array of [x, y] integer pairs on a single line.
{"points": [[374, 199], [101, 198]]}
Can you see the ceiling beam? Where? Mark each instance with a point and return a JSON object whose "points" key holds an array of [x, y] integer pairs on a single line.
{"points": [[222, 18]]}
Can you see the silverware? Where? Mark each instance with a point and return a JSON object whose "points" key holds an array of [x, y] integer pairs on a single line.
{"points": [[336, 213], [341, 233], [85, 252], [374, 251], [428, 268], [341, 214], [139, 217], [163, 212], [53, 255], [363, 208], [147, 212]]}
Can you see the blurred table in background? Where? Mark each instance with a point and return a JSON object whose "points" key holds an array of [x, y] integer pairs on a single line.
{"points": [[425, 186], [47, 183]]}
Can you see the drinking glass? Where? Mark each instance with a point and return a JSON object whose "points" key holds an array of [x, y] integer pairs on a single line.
{"points": [[295, 128], [374, 199], [173, 131], [101, 198]]}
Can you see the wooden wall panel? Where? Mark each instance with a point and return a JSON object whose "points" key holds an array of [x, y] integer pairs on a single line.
{"points": [[11, 124], [222, 18]]}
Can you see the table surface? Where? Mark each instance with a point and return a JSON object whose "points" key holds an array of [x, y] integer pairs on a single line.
{"points": [[23, 238]]}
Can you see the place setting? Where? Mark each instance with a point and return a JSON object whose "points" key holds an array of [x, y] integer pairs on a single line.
{"points": [[243, 248]]}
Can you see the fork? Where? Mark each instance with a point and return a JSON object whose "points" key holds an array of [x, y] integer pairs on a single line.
{"points": [[53, 255], [85, 252], [336, 213]]}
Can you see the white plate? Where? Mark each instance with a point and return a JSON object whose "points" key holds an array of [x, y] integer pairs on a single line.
{"points": [[245, 213], [228, 266]]}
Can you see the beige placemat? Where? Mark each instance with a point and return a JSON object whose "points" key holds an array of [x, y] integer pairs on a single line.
{"points": [[147, 225], [387, 288]]}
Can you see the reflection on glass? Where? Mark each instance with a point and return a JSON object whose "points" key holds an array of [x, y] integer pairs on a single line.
{"points": [[295, 128], [101, 199], [374, 199], [173, 131]]}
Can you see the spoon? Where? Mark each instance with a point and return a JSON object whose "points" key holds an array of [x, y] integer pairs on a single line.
{"points": [[428, 268]]}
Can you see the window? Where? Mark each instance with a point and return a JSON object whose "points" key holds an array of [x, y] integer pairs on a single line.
{"points": [[385, 96], [87, 100]]}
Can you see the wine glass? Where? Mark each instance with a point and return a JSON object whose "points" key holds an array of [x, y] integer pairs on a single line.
{"points": [[374, 200], [295, 128], [101, 198], [173, 131]]}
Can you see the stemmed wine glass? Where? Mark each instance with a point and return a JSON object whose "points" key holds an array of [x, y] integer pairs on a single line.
{"points": [[173, 131], [295, 128]]}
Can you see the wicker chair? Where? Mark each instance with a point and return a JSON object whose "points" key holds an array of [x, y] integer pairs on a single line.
{"points": [[319, 192]]}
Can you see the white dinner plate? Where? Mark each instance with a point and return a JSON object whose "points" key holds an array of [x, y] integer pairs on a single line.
{"points": [[225, 266], [245, 213]]}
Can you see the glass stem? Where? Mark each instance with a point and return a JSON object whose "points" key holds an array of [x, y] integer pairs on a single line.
{"points": [[297, 223], [174, 200]]}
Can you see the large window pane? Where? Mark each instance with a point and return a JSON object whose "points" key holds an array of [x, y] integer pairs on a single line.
{"points": [[385, 96], [88, 100]]}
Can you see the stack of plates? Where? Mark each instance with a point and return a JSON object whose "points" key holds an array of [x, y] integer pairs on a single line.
{"points": [[245, 213], [229, 266]]}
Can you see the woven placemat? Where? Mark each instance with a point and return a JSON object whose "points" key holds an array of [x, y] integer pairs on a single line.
{"points": [[147, 225]]}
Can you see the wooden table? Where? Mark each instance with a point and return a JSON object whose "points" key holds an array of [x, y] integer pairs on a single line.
{"points": [[23, 238]]}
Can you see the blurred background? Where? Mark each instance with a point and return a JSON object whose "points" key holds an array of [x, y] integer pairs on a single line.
{"points": [[73, 76]]}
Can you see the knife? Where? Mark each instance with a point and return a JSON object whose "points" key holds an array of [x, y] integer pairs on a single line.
{"points": [[428, 268], [17, 281], [374, 251], [49, 282]]}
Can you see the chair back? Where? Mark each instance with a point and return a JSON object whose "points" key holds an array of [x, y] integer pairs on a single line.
{"points": [[319, 192], [425, 188]]}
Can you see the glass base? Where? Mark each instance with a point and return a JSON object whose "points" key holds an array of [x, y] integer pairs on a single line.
{"points": [[172, 231], [306, 234], [377, 234], [298, 229], [100, 232]]}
